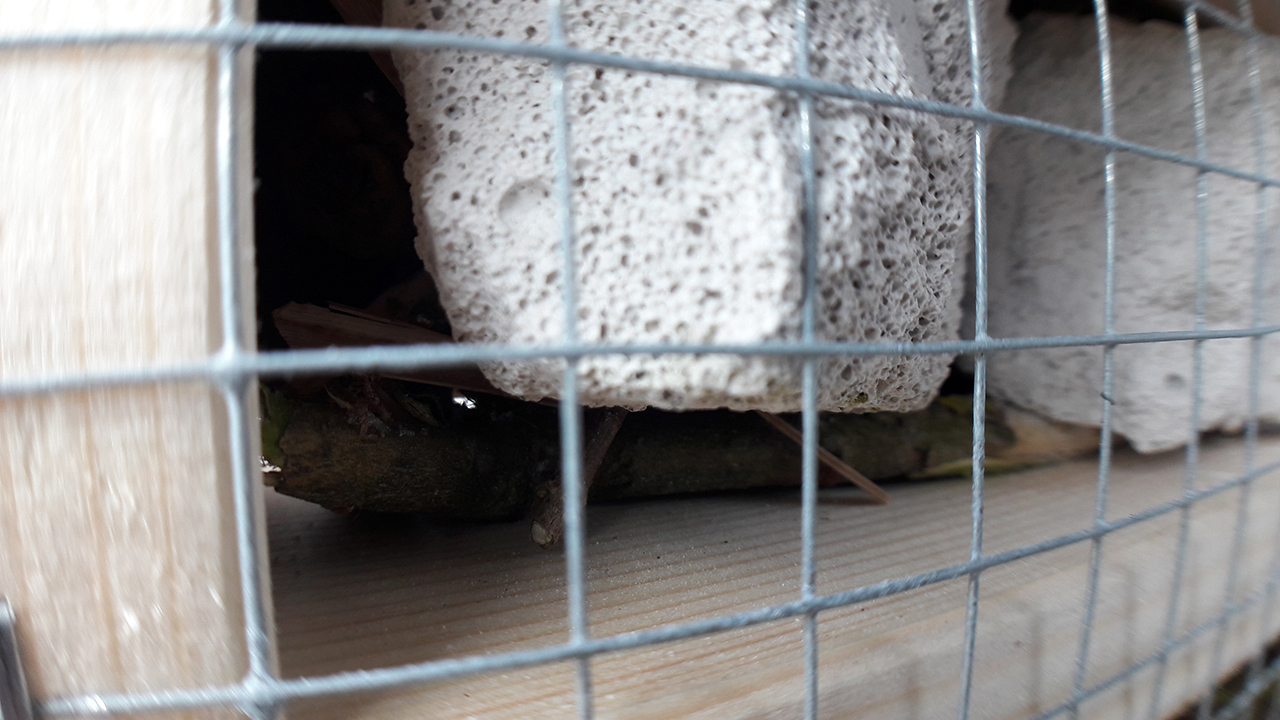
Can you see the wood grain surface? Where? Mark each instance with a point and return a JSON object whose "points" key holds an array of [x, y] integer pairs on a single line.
{"points": [[116, 529], [355, 593]]}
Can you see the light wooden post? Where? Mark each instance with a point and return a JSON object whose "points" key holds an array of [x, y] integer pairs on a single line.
{"points": [[117, 530]]}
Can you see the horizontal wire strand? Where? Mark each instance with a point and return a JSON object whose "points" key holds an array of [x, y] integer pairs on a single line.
{"points": [[225, 368], [315, 37], [234, 367]]}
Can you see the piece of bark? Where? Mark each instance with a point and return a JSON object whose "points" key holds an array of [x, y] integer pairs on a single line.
{"points": [[415, 301], [883, 445], [369, 13], [1040, 440], [306, 326], [311, 326]]}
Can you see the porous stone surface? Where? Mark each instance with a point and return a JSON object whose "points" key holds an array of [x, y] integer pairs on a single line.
{"points": [[686, 193], [1047, 222]]}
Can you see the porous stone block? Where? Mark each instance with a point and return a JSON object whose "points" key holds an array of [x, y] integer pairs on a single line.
{"points": [[686, 193], [1047, 241]]}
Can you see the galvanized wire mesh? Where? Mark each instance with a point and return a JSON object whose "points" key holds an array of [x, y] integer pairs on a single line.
{"points": [[235, 369]]}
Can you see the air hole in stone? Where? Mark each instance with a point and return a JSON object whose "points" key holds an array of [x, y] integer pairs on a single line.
{"points": [[526, 207]]}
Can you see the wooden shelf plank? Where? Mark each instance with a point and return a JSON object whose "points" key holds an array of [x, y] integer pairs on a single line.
{"points": [[360, 594]]}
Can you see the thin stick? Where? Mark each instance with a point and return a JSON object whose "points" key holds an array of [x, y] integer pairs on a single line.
{"points": [[311, 326], [548, 520], [826, 458]]}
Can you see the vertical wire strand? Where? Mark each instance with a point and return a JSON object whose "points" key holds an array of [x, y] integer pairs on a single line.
{"points": [[1197, 354], [1255, 373], [227, 139], [570, 412], [809, 380], [244, 467], [979, 361], [1108, 358], [235, 392], [1261, 257], [257, 636], [1258, 665]]}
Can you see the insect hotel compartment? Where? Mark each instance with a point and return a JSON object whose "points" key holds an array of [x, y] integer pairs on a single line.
{"points": [[406, 553]]}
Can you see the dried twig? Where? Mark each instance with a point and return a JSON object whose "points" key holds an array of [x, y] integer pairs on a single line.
{"points": [[311, 326], [826, 458], [548, 513], [369, 13]]}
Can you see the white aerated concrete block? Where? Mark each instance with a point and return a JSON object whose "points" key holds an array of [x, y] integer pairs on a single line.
{"points": [[686, 193], [1047, 220]]}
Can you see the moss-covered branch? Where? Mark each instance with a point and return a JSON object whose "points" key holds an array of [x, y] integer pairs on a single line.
{"points": [[408, 448]]}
